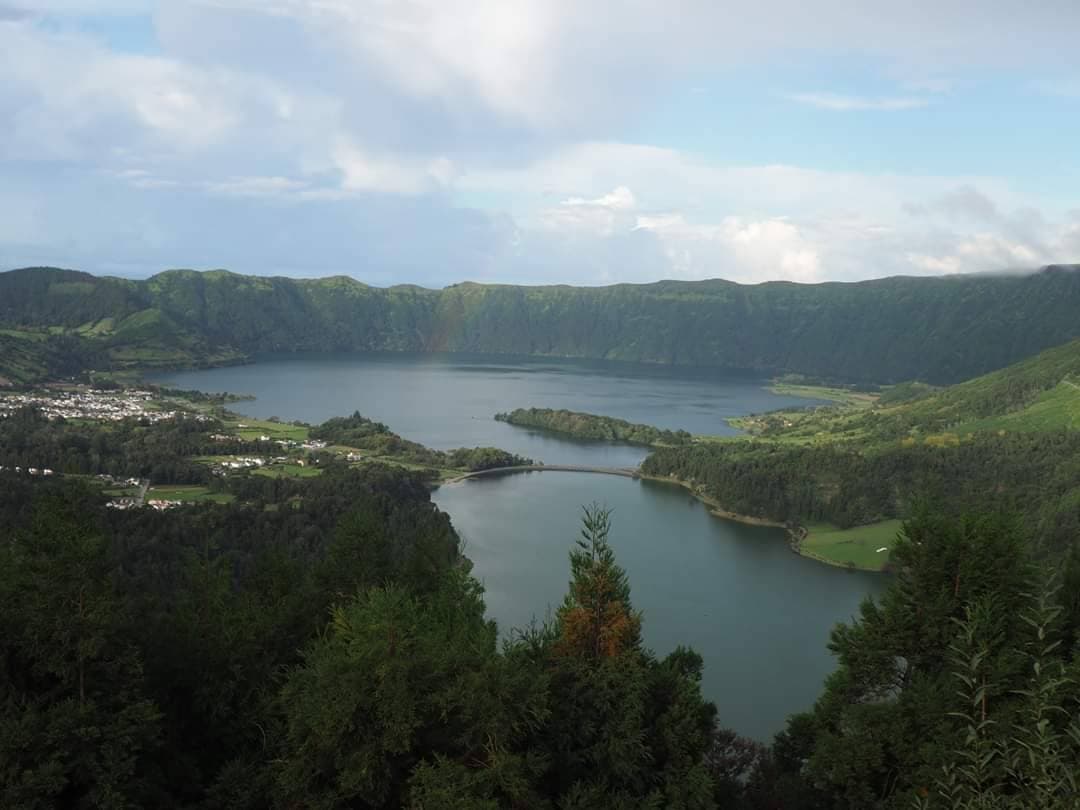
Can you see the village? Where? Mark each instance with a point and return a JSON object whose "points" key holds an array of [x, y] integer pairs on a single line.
{"points": [[249, 446], [91, 403]]}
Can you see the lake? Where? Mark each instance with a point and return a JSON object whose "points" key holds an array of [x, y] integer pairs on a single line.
{"points": [[447, 401], [759, 615]]}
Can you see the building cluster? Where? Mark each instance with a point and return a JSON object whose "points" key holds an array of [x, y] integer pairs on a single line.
{"points": [[113, 481], [284, 444], [292, 444], [90, 403], [161, 505], [134, 503], [241, 463], [27, 470]]}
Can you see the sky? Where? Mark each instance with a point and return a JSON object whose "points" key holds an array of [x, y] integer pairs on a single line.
{"points": [[540, 141]]}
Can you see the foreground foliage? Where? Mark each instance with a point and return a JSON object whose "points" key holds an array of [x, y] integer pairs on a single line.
{"points": [[959, 689], [320, 643], [331, 654]]}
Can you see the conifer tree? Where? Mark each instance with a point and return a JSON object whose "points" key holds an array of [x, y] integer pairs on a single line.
{"points": [[882, 726], [596, 619], [75, 718], [626, 731]]}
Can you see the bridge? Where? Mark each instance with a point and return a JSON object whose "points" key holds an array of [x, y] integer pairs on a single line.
{"points": [[625, 472]]}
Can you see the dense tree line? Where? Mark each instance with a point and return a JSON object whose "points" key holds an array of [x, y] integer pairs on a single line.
{"points": [[366, 434], [1038, 474], [163, 452], [320, 643], [331, 652], [335, 653], [593, 427], [959, 688], [888, 330]]}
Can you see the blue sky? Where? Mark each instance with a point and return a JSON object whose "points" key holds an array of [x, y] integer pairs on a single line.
{"points": [[540, 141]]}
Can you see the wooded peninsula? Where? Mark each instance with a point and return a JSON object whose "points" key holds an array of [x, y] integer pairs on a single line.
{"points": [[593, 427]]}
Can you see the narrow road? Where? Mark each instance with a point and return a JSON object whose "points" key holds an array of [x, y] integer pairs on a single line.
{"points": [[625, 472], [1071, 384]]}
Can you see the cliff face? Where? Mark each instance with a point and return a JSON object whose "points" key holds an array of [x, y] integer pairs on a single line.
{"points": [[941, 330]]}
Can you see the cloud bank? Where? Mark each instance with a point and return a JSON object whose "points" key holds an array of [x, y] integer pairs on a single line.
{"points": [[430, 141]]}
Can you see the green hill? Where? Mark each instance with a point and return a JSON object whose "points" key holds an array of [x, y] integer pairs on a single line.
{"points": [[1007, 439], [1040, 393], [939, 330]]}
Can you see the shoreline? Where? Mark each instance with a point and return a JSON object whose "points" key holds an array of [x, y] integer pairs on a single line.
{"points": [[715, 508], [795, 534]]}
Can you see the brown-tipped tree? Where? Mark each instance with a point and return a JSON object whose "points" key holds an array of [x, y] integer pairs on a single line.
{"points": [[596, 619], [626, 731]]}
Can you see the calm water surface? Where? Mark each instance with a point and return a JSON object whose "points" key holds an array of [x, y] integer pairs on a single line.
{"points": [[759, 614], [447, 401]]}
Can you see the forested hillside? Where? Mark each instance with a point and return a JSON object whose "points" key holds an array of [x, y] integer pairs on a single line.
{"points": [[320, 643], [1008, 438], [940, 330]]}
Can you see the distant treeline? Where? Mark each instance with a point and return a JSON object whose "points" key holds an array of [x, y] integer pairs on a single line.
{"points": [[940, 330], [591, 426]]}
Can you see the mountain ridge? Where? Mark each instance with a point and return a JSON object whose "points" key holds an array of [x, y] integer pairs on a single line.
{"points": [[938, 329]]}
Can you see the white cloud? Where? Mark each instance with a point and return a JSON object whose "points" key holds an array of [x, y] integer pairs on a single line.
{"points": [[560, 66], [621, 198], [527, 62], [983, 251], [72, 97], [754, 223], [841, 103], [256, 186], [1071, 240], [363, 172], [682, 181], [379, 114], [736, 249]]}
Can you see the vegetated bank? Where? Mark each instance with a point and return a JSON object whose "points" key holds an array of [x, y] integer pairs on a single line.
{"points": [[362, 435], [1008, 439], [940, 330], [593, 427], [193, 456]]}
